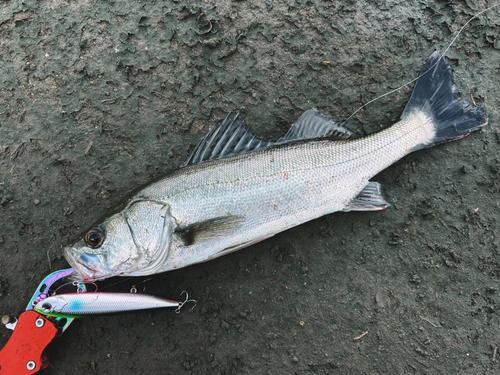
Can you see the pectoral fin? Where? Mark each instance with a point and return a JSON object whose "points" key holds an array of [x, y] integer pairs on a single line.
{"points": [[207, 230]]}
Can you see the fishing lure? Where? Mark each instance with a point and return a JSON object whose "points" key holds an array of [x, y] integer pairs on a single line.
{"points": [[79, 305]]}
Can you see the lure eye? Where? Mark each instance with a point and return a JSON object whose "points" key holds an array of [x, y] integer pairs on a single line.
{"points": [[46, 307], [94, 237]]}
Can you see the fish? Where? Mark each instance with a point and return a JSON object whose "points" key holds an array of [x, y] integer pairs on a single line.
{"points": [[236, 190], [79, 305]]}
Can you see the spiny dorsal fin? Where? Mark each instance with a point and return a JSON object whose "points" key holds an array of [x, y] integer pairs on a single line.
{"points": [[313, 124], [370, 199], [229, 137], [225, 138]]}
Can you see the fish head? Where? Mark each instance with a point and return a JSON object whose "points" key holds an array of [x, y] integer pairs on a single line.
{"points": [[132, 242]]}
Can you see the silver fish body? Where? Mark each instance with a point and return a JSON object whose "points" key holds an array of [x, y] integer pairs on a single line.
{"points": [[236, 190], [77, 305]]}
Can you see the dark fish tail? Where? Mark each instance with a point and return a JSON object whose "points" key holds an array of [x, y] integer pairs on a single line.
{"points": [[436, 94]]}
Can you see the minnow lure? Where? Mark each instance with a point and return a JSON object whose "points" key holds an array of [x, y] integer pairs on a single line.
{"points": [[79, 305]]}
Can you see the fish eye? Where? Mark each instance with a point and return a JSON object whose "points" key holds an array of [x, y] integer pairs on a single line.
{"points": [[46, 307], [94, 237]]}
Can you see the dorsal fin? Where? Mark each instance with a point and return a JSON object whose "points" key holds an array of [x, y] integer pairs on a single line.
{"points": [[229, 137], [225, 138], [313, 124]]}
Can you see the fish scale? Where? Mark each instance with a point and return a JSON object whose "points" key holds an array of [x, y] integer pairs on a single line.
{"points": [[321, 166]]}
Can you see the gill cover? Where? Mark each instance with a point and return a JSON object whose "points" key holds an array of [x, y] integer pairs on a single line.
{"points": [[151, 227]]}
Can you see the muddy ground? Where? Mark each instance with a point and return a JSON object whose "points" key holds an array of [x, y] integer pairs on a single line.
{"points": [[98, 98]]}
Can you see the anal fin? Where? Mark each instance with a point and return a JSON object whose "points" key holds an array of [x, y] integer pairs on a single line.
{"points": [[370, 199]]}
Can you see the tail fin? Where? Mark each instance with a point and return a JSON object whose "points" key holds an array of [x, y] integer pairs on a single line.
{"points": [[435, 93]]}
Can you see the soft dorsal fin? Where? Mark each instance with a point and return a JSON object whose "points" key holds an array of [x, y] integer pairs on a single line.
{"points": [[229, 137], [313, 124]]}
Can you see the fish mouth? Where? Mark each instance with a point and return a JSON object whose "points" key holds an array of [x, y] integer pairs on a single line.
{"points": [[83, 272]]}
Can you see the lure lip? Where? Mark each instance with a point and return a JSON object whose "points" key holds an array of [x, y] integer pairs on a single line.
{"points": [[47, 307]]}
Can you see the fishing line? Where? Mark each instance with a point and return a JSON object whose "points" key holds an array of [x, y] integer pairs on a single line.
{"points": [[442, 56], [63, 285], [73, 283], [125, 280]]}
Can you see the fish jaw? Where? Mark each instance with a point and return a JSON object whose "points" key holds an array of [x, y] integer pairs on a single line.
{"points": [[86, 266]]}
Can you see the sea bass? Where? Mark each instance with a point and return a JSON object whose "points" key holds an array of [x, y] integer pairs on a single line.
{"points": [[236, 190]]}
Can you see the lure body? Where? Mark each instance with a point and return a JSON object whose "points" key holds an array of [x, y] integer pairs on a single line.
{"points": [[78, 305]]}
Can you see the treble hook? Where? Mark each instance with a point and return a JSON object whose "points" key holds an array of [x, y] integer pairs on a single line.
{"points": [[178, 309], [80, 285]]}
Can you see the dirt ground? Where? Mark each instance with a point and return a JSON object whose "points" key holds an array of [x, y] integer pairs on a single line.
{"points": [[98, 98]]}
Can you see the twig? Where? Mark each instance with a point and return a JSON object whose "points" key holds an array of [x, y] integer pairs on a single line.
{"points": [[428, 321], [48, 257], [363, 334], [495, 354], [473, 101], [87, 151], [159, 93]]}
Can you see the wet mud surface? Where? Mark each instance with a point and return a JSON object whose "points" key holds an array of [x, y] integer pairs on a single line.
{"points": [[98, 98]]}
